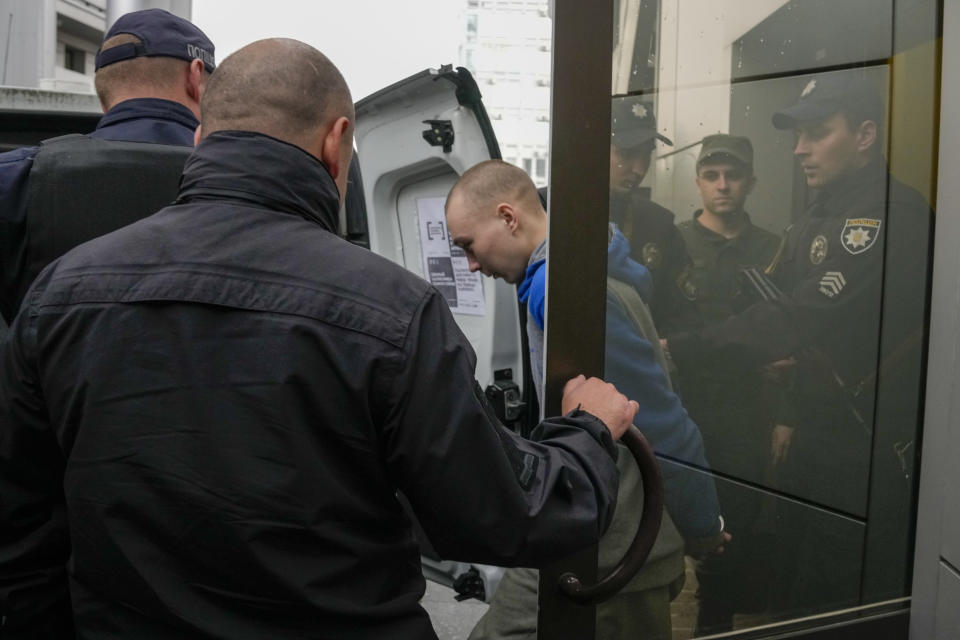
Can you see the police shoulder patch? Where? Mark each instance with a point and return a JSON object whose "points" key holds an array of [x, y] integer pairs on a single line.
{"points": [[859, 234], [652, 255], [818, 249]]}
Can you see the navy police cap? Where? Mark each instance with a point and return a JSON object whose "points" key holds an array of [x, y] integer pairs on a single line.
{"points": [[161, 34], [632, 123], [828, 94]]}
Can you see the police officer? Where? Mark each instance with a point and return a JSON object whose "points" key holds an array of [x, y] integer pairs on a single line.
{"points": [[151, 71], [824, 328], [735, 410], [720, 238], [208, 414], [649, 228]]}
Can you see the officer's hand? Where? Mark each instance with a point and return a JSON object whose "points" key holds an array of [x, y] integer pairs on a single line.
{"points": [[601, 399], [712, 545], [780, 439], [776, 371]]}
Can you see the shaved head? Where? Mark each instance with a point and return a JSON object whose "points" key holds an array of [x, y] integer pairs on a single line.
{"points": [[494, 214], [488, 183], [281, 87]]}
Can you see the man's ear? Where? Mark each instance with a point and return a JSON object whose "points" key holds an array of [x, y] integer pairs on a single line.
{"points": [[751, 184], [332, 147], [866, 135], [196, 81], [508, 215], [197, 135]]}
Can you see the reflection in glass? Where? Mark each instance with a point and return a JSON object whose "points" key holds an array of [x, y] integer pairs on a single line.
{"points": [[780, 212]]}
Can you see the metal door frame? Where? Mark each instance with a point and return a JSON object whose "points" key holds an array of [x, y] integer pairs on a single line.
{"points": [[579, 199], [933, 609]]}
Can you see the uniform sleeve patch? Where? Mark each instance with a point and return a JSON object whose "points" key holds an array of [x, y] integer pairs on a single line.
{"points": [[832, 283], [859, 234]]}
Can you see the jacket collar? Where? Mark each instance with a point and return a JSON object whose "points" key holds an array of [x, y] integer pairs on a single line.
{"points": [[863, 188], [253, 167], [718, 238], [158, 108]]}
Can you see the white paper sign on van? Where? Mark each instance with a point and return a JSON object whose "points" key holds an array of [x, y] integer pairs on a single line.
{"points": [[445, 265]]}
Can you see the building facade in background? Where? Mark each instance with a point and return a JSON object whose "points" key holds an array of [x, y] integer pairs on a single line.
{"points": [[507, 49], [51, 45]]}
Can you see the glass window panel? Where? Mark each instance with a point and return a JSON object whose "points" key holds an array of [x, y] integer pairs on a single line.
{"points": [[811, 34], [771, 171]]}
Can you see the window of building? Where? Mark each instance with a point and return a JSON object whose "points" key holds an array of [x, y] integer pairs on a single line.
{"points": [[75, 59], [471, 27]]}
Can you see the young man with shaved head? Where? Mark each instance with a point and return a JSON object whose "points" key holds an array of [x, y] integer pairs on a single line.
{"points": [[496, 216], [209, 413], [151, 72]]}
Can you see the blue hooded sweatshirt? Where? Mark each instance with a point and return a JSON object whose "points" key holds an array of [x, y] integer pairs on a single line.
{"points": [[631, 365]]}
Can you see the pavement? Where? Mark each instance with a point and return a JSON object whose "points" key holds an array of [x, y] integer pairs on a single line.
{"points": [[452, 620]]}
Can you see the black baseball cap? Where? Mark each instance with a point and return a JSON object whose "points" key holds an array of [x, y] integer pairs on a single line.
{"points": [[632, 123], [161, 34], [825, 95]]}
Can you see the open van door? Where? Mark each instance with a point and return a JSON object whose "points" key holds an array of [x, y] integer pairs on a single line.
{"points": [[414, 139]]}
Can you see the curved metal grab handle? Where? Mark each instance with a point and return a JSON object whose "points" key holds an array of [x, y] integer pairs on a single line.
{"points": [[646, 535]]}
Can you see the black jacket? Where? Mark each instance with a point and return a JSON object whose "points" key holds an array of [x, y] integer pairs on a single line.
{"points": [[656, 242], [213, 408]]}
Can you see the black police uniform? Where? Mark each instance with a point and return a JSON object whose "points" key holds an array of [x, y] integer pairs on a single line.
{"points": [[656, 243], [733, 417], [735, 412], [833, 279], [209, 412]]}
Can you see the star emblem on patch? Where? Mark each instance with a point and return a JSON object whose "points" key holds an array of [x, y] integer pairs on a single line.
{"points": [[807, 90], [857, 238], [859, 234], [639, 110]]}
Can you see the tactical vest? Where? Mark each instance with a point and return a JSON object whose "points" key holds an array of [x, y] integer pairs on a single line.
{"points": [[82, 187]]}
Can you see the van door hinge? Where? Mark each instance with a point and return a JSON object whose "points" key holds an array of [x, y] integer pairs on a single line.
{"points": [[504, 397]]}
